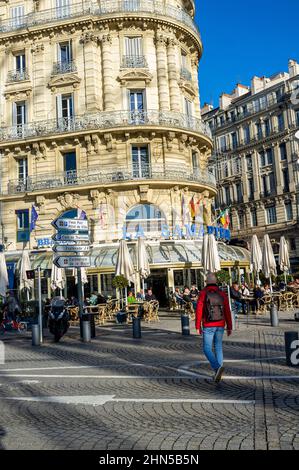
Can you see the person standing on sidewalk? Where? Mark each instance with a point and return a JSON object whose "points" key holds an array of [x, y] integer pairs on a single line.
{"points": [[212, 314]]}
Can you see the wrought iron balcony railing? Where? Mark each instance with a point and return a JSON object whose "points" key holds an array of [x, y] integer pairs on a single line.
{"points": [[134, 61], [104, 120], [17, 75], [64, 67], [186, 74], [94, 175], [91, 7]]}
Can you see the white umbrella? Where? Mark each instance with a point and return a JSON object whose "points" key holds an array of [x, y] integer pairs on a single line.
{"points": [[58, 278], [268, 260], [24, 266], [3, 275], [210, 255], [256, 256], [84, 277], [284, 258], [124, 265], [143, 267]]}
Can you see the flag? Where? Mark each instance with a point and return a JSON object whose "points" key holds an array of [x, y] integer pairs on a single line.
{"points": [[223, 218], [81, 214], [192, 208], [184, 210], [34, 217], [227, 219]]}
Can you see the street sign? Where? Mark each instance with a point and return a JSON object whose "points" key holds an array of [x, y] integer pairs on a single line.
{"points": [[70, 224], [72, 261], [70, 248], [68, 237]]}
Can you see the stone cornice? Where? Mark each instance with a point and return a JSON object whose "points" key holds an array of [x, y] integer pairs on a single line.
{"points": [[143, 75], [62, 80]]}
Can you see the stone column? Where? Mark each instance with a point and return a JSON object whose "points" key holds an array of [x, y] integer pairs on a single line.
{"points": [[174, 89], [277, 168], [194, 65], [107, 69], [90, 52], [40, 107], [162, 74]]}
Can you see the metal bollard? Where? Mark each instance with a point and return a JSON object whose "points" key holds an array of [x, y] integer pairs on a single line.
{"points": [[291, 339], [35, 335], [274, 315], [136, 327], [86, 330], [185, 325]]}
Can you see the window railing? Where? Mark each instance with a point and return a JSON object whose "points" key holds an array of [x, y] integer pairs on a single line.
{"points": [[95, 175], [104, 120], [17, 75], [186, 74], [64, 67], [91, 7]]}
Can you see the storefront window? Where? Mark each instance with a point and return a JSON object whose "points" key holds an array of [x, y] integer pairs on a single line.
{"points": [[145, 218]]}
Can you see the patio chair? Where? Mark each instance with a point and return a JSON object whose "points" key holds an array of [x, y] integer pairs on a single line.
{"points": [[264, 304], [101, 317], [74, 316], [189, 310], [132, 311]]}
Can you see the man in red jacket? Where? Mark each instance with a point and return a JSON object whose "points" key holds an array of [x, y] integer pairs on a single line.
{"points": [[212, 314]]}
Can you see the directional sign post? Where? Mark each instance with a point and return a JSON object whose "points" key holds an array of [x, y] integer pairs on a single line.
{"points": [[71, 248], [72, 261], [71, 237], [70, 224]]}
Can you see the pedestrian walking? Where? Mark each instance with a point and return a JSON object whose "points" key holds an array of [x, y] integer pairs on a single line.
{"points": [[212, 314]]}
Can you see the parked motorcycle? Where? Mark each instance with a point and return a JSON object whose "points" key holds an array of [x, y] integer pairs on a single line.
{"points": [[58, 318]]}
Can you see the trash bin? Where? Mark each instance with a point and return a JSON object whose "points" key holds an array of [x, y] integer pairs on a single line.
{"points": [[137, 327], [35, 335], [185, 325]]}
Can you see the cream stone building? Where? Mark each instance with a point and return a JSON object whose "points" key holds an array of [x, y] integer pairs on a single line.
{"points": [[257, 158], [100, 112]]}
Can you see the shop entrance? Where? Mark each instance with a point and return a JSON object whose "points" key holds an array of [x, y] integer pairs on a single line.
{"points": [[158, 282]]}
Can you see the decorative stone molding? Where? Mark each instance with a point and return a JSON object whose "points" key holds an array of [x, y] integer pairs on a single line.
{"points": [[110, 144], [69, 200], [143, 193], [18, 93], [106, 39], [183, 141], [40, 202], [89, 37], [37, 48], [170, 139], [188, 89], [139, 76], [63, 80]]}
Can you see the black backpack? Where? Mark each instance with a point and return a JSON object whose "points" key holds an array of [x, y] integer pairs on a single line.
{"points": [[213, 307]]}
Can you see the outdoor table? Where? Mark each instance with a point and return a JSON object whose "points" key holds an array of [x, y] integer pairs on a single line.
{"points": [[248, 299], [140, 308]]}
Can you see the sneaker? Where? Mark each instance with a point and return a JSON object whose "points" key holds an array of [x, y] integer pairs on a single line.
{"points": [[219, 374]]}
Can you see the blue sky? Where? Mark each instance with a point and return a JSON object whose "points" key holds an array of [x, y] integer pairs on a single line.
{"points": [[242, 39]]}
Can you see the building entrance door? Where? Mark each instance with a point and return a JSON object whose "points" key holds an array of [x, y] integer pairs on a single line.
{"points": [[158, 282]]}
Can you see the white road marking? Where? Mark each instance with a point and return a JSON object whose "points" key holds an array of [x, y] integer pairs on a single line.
{"points": [[100, 400], [102, 366]]}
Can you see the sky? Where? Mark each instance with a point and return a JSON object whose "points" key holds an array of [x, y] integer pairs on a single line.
{"points": [[243, 38]]}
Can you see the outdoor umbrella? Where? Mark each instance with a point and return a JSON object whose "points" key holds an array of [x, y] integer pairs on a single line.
{"points": [[256, 256], [3, 275], [124, 265], [268, 260], [210, 255], [284, 258], [142, 261], [25, 265], [57, 278]]}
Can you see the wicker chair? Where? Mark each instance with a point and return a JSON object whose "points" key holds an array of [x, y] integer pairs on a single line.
{"points": [[74, 316], [264, 304], [287, 302], [189, 310]]}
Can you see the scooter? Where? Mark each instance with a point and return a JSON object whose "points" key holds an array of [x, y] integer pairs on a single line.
{"points": [[58, 318]]}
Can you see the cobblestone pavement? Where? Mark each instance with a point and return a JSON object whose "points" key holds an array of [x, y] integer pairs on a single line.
{"points": [[153, 393]]}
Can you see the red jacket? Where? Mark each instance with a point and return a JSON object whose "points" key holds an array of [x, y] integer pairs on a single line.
{"points": [[199, 320]]}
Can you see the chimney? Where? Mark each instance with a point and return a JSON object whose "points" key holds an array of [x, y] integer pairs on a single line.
{"points": [[240, 90], [207, 108], [225, 101], [293, 68]]}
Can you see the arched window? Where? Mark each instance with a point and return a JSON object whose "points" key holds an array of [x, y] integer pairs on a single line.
{"points": [[145, 217]]}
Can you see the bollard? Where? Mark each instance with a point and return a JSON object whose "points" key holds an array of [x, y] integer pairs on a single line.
{"points": [[185, 325], [136, 327], [274, 315], [292, 348], [86, 330], [35, 335]]}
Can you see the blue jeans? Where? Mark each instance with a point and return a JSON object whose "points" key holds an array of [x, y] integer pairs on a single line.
{"points": [[213, 337]]}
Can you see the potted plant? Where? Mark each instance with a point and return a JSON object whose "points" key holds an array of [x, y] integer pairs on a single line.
{"points": [[120, 282]]}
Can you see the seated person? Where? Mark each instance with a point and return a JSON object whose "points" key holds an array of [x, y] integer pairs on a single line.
{"points": [[186, 295], [131, 298], [178, 297], [150, 296], [266, 289], [237, 301], [93, 299], [101, 299], [194, 293], [140, 295]]}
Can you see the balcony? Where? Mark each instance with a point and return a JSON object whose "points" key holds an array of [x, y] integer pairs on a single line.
{"points": [[64, 67], [91, 8], [132, 62], [117, 175], [104, 120], [17, 76], [186, 74]]}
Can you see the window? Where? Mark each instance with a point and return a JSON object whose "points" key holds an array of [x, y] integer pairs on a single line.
{"points": [[23, 231], [239, 191], [188, 107], [17, 16], [136, 101], [286, 180], [251, 188], [133, 46], [247, 134], [131, 5], [65, 52], [65, 110], [146, 216], [249, 162], [195, 162], [289, 210], [297, 117], [253, 217], [140, 162], [262, 158], [293, 245], [223, 143], [265, 191], [70, 167], [222, 120], [227, 195], [259, 130], [20, 61], [241, 220], [63, 8], [234, 140], [271, 215], [283, 151], [267, 127], [280, 121], [269, 153], [272, 183], [22, 170]]}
